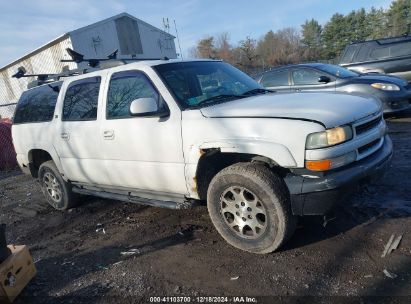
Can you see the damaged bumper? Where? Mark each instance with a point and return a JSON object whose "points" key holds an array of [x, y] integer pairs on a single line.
{"points": [[316, 195]]}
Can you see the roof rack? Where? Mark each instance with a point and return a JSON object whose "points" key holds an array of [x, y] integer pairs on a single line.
{"points": [[94, 64]]}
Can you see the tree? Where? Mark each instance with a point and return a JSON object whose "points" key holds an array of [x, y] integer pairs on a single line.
{"points": [[206, 49], [249, 54], [377, 23], [223, 47], [334, 36], [311, 38], [399, 17]]}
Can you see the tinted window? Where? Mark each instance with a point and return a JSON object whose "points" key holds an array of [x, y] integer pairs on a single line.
{"points": [[81, 100], [379, 53], [195, 82], [274, 79], [395, 50], [337, 70], [305, 77], [37, 105], [123, 89], [349, 54]]}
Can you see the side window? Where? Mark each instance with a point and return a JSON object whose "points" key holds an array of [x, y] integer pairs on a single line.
{"points": [[38, 104], [349, 54], [305, 77], [125, 87], [400, 49], [379, 53], [81, 100], [275, 79], [394, 50]]}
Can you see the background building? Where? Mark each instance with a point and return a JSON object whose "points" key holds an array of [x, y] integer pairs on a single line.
{"points": [[132, 37]]}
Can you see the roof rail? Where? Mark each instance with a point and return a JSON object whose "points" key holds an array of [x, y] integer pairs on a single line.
{"points": [[93, 63]]}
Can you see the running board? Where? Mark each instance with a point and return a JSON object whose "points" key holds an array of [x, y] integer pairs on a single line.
{"points": [[136, 199]]}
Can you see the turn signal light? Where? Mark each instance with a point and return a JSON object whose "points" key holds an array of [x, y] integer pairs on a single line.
{"points": [[318, 165]]}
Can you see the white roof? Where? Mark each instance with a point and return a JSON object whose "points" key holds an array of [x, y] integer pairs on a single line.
{"points": [[66, 35]]}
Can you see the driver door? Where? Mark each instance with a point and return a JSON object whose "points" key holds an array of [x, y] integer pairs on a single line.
{"points": [[144, 152]]}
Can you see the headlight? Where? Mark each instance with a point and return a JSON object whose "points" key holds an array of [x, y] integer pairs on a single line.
{"points": [[385, 86], [329, 137]]}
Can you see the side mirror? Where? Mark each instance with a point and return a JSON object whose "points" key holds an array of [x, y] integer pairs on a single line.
{"points": [[324, 79], [146, 106]]}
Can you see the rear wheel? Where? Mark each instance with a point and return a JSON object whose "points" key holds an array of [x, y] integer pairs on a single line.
{"points": [[56, 191], [250, 208]]}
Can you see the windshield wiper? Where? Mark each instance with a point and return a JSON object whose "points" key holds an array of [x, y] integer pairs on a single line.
{"points": [[219, 98], [257, 91]]}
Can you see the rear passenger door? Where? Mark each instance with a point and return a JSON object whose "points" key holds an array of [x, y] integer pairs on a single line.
{"points": [[276, 80], [141, 153], [306, 79], [77, 129]]}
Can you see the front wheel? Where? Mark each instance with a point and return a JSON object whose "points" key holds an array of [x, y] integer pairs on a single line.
{"points": [[56, 191], [250, 208]]}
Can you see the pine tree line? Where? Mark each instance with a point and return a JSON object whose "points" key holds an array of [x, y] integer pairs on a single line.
{"points": [[312, 42]]}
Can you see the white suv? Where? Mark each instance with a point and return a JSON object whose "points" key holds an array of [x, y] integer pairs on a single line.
{"points": [[171, 133]]}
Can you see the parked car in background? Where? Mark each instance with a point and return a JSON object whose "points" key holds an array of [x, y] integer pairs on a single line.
{"points": [[394, 92], [389, 56]]}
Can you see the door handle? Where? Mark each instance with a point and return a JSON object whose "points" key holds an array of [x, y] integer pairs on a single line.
{"points": [[65, 136], [108, 134], [297, 90]]}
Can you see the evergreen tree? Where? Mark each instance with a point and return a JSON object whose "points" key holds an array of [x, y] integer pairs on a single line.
{"points": [[399, 17]]}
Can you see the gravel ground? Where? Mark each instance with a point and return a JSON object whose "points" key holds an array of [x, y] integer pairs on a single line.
{"points": [[179, 253]]}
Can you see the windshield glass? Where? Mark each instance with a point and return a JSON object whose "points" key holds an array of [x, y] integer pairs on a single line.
{"points": [[205, 82], [337, 71]]}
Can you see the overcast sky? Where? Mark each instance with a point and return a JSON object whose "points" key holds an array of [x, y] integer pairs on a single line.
{"points": [[26, 25]]}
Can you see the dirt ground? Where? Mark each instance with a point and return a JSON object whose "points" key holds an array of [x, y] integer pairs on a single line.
{"points": [[179, 253]]}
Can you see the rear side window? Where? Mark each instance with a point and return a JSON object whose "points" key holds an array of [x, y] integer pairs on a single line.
{"points": [[123, 89], [394, 50], [38, 104], [275, 79], [81, 100], [348, 56]]}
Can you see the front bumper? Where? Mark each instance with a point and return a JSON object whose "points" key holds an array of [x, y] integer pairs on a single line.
{"points": [[396, 102], [316, 195]]}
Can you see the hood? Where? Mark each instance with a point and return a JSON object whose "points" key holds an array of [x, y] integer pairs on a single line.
{"points": [[330, 109], [371, 78]]}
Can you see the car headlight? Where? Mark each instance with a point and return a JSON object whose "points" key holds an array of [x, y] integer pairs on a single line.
{"points": [[330, 137], [385, 86]]}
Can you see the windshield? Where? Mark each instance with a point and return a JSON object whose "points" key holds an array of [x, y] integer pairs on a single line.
{"points": [[337, 71], [205, 82]]}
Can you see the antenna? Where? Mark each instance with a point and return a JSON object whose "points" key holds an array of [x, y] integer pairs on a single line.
{"points": [[178, 39], [166, 25]]}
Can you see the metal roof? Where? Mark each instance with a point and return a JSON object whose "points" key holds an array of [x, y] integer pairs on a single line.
{"points": [[66, 35]]}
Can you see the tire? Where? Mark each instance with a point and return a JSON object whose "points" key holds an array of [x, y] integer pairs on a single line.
{"points": [[250, 207], [57, 192]]}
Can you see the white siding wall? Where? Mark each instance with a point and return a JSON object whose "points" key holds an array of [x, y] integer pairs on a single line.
{"points": [[45, 61]]}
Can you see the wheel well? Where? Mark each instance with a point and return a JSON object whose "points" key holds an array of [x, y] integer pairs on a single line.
{"points": [[213, 161], [36, 158]]}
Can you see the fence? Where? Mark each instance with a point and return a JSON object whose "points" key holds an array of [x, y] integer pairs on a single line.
{"points": [[7, 110], [7, 153]]}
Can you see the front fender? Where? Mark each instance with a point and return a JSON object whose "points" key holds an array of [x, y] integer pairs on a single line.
{"points": [[276, 152]]}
